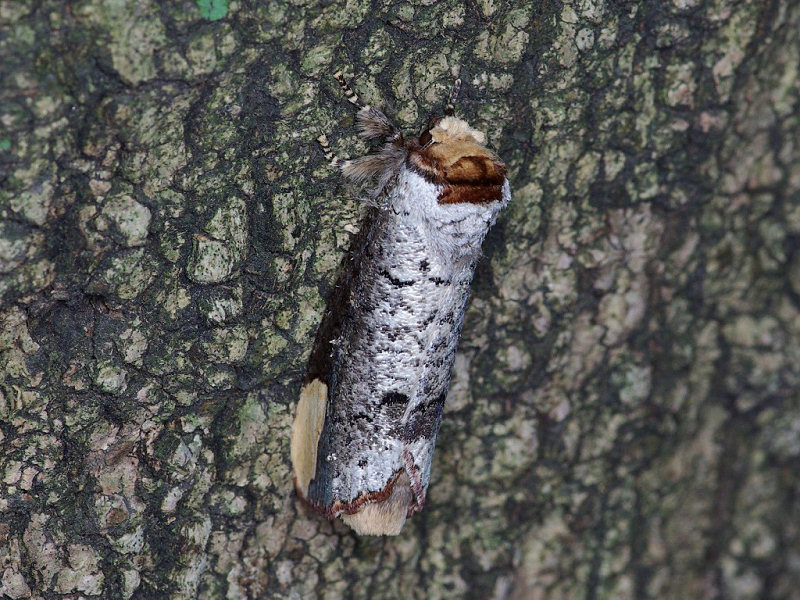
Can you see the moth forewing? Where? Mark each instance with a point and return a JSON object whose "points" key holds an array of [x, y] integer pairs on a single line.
{"points": [[369, 413]]}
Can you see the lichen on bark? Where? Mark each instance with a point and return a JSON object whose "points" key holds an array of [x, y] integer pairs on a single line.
{"points": [[623, 420]]}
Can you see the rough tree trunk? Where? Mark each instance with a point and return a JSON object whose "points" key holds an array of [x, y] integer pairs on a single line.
{"points": [[624, 420]]}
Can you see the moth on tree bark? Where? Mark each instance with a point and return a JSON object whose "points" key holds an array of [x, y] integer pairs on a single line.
{"points": [[371, 405]]}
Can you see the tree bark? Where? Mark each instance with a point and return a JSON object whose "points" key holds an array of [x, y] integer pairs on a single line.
{"points": [[624, 416]]}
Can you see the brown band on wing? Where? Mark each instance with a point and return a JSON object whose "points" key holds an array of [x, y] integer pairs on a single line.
{"points": [[426, 166], [339, 507], [467, 170], [471, 194], [474, 178], [475, 170]]}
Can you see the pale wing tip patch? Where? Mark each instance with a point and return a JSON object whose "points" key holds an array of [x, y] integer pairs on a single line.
{"points": [[306, 429], [386, 517]]}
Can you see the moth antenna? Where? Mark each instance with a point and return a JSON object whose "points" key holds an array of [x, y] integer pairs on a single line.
{"points": [[332, 159], [348, 91], [450, 108], [376, 168]]}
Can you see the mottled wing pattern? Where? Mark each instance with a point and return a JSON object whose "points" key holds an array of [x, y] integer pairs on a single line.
{"points": [[370, 411]]}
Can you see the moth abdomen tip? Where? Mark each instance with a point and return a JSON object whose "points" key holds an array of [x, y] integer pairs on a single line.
{"points": [[384, 517]]}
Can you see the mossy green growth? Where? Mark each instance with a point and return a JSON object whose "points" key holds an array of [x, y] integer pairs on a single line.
{"points": [[213, 10], [5, 144]]}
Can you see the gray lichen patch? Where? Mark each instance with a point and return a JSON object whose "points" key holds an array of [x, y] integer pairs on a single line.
{"points": [[213, 259], [132, 344], [135, 35], [210, 261], [83, 574], [34, 202], [125, 275], [171, 300], [194, 536], [14, 584], [130, 219], [110, 378], [220, 305]]}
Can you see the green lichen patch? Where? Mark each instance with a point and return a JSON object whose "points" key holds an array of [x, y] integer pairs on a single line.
{"points": [[17, 243], [317, 59], [201, 52], [230, 224], [227, 345], [213, 10], [508, 40]]}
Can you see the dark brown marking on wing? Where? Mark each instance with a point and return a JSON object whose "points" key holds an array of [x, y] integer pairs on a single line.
{"points": [[475, 170], [426, 166], [471, 194], [338, 507], [470, 179]]}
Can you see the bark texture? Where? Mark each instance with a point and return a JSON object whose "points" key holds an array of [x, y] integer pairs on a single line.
{"points": [[625, 418]]}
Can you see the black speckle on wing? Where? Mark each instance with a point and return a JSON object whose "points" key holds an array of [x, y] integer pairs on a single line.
{"points": [[394, 398], [424, 419], [395, 281]]}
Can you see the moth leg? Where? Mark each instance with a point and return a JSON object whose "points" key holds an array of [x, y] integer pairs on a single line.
{"points": [[450, 107], [378, 167], [359, 170], [373, 124], [332, 159], [348, 91]]}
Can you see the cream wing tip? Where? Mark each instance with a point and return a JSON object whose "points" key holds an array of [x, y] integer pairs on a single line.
{"points": [[306, 429]]}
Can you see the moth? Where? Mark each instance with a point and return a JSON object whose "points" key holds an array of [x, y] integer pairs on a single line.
{"points": [[371, 405]]}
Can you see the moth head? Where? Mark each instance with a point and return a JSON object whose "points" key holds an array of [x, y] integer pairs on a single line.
{"points": [[449, 129]]}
